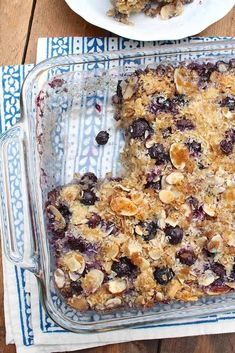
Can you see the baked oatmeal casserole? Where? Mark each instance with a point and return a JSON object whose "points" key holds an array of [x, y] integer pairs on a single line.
{"points": [[165, 229], [167, 9]]}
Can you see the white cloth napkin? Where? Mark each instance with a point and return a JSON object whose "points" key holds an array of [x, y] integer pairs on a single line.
{"points": [[27, 324]]}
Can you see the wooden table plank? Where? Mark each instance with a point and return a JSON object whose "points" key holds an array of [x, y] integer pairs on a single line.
{"points": [[224, 27], [14, 21], [53, 18], [202, 344]]}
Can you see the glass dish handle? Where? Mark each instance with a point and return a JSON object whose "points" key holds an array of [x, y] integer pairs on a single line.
{"points": [[15, 213]]}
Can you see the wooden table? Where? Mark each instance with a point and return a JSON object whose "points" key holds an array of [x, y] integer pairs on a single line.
{"points": [[22, 22]]}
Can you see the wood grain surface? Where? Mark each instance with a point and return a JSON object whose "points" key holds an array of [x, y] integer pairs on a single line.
{"points": [[22, 22]]}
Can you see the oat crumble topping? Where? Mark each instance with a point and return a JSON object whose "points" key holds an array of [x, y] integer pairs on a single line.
{"points": [[164, 230]]}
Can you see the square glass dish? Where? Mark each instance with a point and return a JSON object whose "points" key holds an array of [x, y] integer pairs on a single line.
{"points": [[66, 101]]}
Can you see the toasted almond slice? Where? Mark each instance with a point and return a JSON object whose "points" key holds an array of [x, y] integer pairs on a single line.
{"points": [[117, 286], [70, 193], [132, 247], [110, 250], [92, 281], [159, 296], [113, 303], [171, 10], [215, 244], [179, 155], [156, 253], [174, 178], [207, 278], [166, 196], [78, 303], [123, 206], [209, 210], [60, 221], [59, 278], [74, 261], [73, 276], [185, 81], [230, 284], [174, 287], [120, 186], [138, 230]]}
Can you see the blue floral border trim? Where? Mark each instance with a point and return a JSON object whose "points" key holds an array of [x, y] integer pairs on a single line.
{"points": [[10, 86]]}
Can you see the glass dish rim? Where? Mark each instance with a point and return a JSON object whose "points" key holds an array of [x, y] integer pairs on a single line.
{"points": [[69, 60]]}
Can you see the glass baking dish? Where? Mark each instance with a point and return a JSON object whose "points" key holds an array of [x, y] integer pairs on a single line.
{"points": [[65, 102]]}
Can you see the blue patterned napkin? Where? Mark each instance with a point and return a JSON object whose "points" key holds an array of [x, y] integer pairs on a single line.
{"points": [[27, 324]]}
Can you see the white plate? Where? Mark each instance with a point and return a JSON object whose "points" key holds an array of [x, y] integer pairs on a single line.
{"points": [[195, 18]]}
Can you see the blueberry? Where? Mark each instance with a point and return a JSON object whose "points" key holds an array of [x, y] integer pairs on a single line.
{"points": [[174, 234], [76, 287], [228, 102], [166, 132], [155, 185], [184, 124], [193, 202], [102, 137], [187, 257], [88, 180], [64, 210], [53, 197], [117, 98], [226, 146], [77, 244], [181, 100], [195, 148], [110, 227], [94, 221], [230, 134], [88, 198], [163, 275], [161, 104], [158, 153], [139, 129], [123, 267], [199, 214], [152, 228], [218, 269]]}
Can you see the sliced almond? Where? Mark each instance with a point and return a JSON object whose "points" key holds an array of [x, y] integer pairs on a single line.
{"points": [[74, 261], [59, 277], [78, 303], [110, 250], [59, 219], [139, 230], [185, 80], [172, 221], [73, 276], [230, 284], [156, 254], [215, 244], [92, 281], [162, 220], [171, 10], [209, 210], [179, 155], [159, 296], [166, 196], [70, 193], [207, 278], [113, 303], [132, 247], [174, 178], [117, 286], [173, 288], [123, 206], [120, 186]]}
